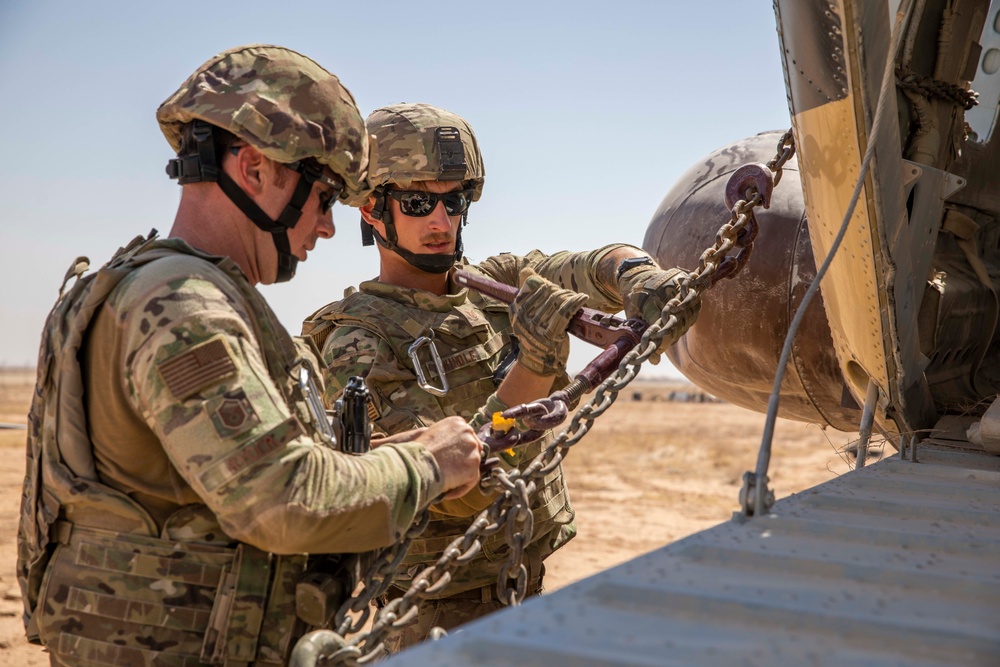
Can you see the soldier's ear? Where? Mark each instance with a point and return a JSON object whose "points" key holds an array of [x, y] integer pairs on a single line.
{"points": [[249, 167], [366, 212]]}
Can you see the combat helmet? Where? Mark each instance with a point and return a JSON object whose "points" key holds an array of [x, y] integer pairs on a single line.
{"points": [[419, 142], [286, 106]]}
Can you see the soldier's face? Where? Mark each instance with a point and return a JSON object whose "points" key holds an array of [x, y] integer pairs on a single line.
{"points": [[429, 234], [315, 222]]}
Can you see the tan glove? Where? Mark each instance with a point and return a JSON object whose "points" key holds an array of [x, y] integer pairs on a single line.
{"points": [[646, 290], [539, 315]]}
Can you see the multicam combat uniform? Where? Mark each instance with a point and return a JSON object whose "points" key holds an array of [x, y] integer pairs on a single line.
{"points": [[368, 334], [171, 458]]}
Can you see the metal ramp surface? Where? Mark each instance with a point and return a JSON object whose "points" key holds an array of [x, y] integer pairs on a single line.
{"points": [[894, 564]]}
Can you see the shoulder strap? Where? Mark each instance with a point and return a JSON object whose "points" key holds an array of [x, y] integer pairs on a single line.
{"points": [[389, 320]]}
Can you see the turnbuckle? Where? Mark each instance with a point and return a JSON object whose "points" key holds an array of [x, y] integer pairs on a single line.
{"points": [[615, 335]]}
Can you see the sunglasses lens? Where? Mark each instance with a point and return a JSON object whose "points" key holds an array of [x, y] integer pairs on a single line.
{"points": [[326, 200], [456, 203], [417, 204]]}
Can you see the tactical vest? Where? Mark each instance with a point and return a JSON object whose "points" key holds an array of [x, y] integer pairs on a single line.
{"points": [[180, 602], [472, 339]]}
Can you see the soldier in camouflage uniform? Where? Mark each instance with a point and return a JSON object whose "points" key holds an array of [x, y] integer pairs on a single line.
{"points": [[176, 475], [426, 169]]}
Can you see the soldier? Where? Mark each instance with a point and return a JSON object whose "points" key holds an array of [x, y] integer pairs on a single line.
{"points": [[176, 473], [426, 170]]}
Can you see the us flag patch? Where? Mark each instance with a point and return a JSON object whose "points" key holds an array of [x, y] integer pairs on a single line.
{"points": [[197, 367]]}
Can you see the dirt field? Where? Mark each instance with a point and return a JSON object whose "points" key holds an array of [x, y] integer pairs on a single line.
{"points": [[649, 472]]}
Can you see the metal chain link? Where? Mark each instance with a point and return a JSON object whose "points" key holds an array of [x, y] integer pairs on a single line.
{"points": [[511, 510], [932, 88], [786, 149]]}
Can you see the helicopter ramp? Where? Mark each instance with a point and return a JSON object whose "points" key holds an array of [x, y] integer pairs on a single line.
{"points": [[894, 564]]}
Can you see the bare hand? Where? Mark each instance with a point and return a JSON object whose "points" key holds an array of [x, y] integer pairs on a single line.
{"points": [[458, 453]]}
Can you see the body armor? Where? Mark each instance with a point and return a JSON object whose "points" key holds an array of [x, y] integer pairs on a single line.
{"points": [[471, 334], [100, 579]]}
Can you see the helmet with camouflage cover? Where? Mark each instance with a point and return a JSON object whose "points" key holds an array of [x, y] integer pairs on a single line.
{"points": [[413, 143], [286, 106]]}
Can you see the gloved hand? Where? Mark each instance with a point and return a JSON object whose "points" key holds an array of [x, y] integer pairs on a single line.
{"points": [[646, 289], [540, 314]]}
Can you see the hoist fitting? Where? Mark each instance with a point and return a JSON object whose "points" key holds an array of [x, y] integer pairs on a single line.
{"points": [[753, 177]]}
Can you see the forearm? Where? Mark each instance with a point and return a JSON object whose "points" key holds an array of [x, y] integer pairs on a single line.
{"points": [[335, 503], [278, 489], [593, 273], [523, 386]]}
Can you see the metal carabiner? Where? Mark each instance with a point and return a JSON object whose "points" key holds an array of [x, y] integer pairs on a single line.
{"points": [[413, 351], [307, 385]]}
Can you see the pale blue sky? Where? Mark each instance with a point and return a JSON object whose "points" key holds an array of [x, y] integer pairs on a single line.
{"points": [[586, 112]]}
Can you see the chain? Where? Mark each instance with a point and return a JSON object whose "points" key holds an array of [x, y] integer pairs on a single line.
{"points": [[932, 88], [786, 149], [511, 510]]}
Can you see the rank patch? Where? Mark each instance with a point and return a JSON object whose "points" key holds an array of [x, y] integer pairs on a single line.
{"points": [[197, 367], [231, 414]]}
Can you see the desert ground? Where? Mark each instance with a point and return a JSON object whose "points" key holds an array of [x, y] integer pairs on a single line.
{"points": [[650, 471]]}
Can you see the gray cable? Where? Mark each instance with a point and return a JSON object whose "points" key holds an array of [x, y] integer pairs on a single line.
{"points": [[888, 83]]}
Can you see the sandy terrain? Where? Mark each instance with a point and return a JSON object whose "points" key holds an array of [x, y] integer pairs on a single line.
{"points": [[650, 471]]}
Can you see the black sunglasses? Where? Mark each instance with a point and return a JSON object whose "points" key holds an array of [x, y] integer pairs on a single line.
{"points": [[418, 203], [326, 200]]}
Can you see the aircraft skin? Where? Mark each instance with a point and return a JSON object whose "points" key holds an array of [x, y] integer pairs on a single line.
{"points": [[910, 297], [894, 563]]}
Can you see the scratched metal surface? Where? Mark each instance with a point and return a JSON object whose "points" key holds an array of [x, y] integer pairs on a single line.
{"points": [[895, 564]]}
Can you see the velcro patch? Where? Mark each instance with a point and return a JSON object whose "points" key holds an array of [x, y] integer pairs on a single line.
{"points": [[197, 367], [231, 414], [258, 449]]}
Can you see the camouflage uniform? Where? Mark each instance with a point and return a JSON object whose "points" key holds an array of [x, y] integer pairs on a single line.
{"points": [[204, 460], [175, 477], [368, 334]]}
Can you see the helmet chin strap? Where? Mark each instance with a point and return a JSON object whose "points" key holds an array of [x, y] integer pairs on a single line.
{"points": [[429, 262], [287, 262], [203, 167]]}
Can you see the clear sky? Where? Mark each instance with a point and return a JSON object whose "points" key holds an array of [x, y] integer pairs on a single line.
{"points": [[586, 112]]}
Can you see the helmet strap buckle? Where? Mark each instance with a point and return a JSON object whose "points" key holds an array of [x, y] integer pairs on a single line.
{"points": [[200, 167]]}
